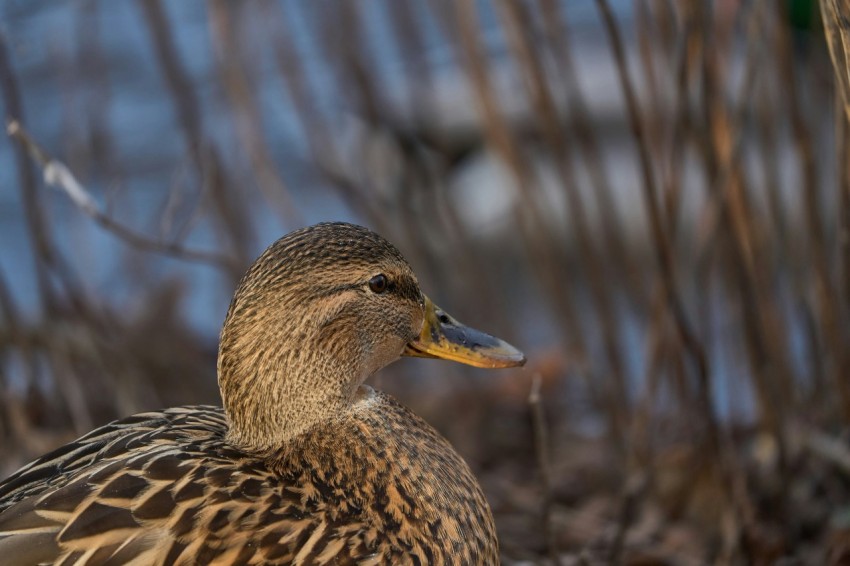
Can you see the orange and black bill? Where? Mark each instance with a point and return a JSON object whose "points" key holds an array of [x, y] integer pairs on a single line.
{"points": [[444, 337]]}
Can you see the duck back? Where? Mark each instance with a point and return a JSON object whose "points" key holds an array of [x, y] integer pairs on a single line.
{"points": [[377, 485]]}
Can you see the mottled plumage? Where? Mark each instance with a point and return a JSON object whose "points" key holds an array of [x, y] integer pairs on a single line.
{"points": [[304, 465]]}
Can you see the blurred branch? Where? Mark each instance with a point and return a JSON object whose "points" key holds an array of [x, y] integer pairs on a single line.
{"points": [[661, 243], [541, 449], [545, 257], [231, 213], [833, 450], [59, 176], [225, 18], [635, 489], [49, 260], [557, 32], [836, 25], [517, 21], [833, 330]]}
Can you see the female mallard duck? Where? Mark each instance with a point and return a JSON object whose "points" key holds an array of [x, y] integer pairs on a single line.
{"points": [[305, 464]]}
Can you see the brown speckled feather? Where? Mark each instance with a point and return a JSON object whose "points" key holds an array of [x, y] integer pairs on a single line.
{"points": [[166, 489], [303, 466]]}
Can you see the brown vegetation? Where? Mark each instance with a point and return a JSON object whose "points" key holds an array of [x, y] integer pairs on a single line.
{"points": [[673, 256]]}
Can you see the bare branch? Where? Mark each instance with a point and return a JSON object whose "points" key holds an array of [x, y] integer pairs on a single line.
{"points": [[57, 175], [541, 448]]}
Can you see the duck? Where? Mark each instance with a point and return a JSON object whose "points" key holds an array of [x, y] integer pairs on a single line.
{"points": [[303, 463]]}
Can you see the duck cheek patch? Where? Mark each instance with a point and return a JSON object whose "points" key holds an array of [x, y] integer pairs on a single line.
{"points": [[404, 328]]}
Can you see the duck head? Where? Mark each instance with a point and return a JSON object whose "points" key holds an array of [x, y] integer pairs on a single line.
{"points": [[317, 313]]}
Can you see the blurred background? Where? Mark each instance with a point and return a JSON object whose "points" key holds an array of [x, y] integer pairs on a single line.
{"points": [[649, 197]]}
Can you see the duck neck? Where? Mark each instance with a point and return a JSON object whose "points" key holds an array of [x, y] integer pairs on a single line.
{"points": [[272, 396]]}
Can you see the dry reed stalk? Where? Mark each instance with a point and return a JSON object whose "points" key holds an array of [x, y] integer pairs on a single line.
{"points": [[836, 26], [231, 212], [538, 243], [517, 21], [556, 32], [59, 176], [49, 263], [836, 23], [767, 345], [541, 449], [659, 238], [225, 20], [831, 330]]}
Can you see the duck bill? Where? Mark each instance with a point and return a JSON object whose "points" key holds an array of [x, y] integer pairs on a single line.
{"points": [[444, 337]]}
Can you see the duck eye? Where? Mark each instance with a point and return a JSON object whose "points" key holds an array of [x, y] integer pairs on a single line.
{"points": [[379, 283]]}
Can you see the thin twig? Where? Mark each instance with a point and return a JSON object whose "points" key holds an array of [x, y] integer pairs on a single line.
{"points": [[836, 26], [633, 491], [50, 261], [661, 243], [230, 212], [535, 233], [248, 122], [57, 175], [517, 23], [823, 446], [541, 449]]}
